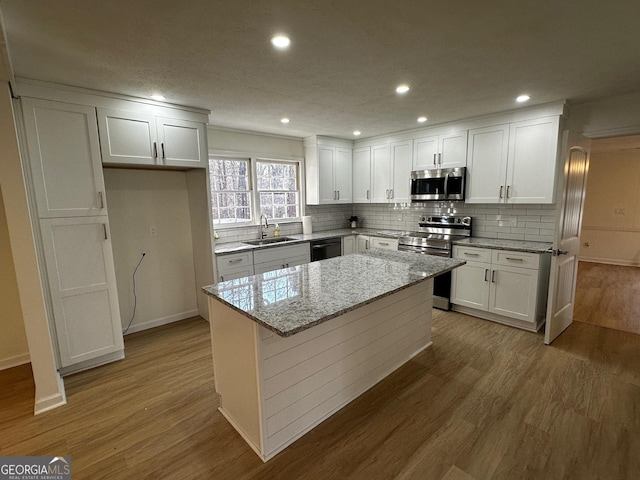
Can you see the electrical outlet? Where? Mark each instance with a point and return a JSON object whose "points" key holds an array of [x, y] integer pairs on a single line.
{"points": [[618, 211], [152, 231]]}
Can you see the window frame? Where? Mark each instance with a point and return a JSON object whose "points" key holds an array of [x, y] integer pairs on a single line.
{"points": [[253, 159]]}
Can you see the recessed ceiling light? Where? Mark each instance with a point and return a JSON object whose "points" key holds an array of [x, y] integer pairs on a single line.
{"points": [[402, 88], [357, 132], [284, 120], [159, 98], [280, 41], [422, 119], [522, 98]]}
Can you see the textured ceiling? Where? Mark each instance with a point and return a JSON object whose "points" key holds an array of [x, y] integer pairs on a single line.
{"points": [[462, 58]]}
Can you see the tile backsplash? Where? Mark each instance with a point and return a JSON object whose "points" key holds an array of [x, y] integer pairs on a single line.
{"points": [[516, 222]]}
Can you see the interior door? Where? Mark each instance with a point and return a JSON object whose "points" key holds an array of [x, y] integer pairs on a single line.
{"points": [[564, 263]]}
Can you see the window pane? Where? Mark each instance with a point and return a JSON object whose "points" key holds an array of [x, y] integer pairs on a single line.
{"points": [[266, 199], [278, 198], [231, 190]]}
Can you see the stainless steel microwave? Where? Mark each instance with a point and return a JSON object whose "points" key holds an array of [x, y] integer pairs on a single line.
{"points": [[440, 184]]}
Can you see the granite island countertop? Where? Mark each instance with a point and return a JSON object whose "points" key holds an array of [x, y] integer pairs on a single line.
{"points": [[291, 300]]}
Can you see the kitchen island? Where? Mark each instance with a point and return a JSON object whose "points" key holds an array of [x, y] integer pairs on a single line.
{"points": [[293, 346]]}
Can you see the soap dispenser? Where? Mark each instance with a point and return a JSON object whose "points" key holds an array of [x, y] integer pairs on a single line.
{"points": [[276, 231]]}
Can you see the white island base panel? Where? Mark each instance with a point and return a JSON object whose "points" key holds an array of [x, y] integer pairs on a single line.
{"points": [[274, 389]]}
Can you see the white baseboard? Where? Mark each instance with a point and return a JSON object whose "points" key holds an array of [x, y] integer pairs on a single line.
{"points": [[610, 261], [162, 321], [52, 401], [11, 362]]}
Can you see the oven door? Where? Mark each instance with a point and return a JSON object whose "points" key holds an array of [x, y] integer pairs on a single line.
{"points": [[441, 283]]}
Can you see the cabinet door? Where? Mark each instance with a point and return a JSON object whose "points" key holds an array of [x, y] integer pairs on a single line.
{"points": [[227, 274], [348, 245], [362, 175], [362, 243], [425, 153], [127, 138], [343, 174], [401, 160], [380, 171], [82, 283], [533, 151], [64, 155], [452, 150], [487, 164], [514, 292], [470, 285], [259, 268], [182, 143], [326, 174]]}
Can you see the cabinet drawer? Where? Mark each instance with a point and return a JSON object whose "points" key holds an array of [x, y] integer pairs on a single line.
{"points": [[280, 253], [384, 243], [515, 259], [472, 254], [234, 260]]}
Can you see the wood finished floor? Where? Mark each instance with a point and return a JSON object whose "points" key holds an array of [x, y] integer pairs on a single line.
{"points": [[485, 402], [608, 296]]}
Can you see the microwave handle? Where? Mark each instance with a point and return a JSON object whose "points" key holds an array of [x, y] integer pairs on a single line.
{"points": [[446, 185]]}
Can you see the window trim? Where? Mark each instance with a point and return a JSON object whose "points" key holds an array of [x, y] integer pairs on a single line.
{"points": [[255, 193]]}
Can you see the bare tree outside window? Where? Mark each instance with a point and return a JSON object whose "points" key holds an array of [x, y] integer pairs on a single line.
{"points": [[279, 195], [231, 191]]}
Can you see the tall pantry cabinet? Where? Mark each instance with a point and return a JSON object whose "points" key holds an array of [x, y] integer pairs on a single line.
{"points": [[64, 165]]}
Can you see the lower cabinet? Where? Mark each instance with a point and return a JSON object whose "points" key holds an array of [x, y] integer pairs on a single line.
{"points": [[253, 262], [82, 284], [348, 245], [367, 242], [362, 243], [505, 286]]}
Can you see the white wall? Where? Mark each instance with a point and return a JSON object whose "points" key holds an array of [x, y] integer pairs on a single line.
{"points": [[13, 339], [165, 282], [607, 117], [611, 222]]}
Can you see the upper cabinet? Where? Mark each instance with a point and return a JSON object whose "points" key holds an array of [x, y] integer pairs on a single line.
{"points": [[390, 173], [362, 175], [132, 138], [440, 151], [328, 166], [64, 157], [513, 163]]}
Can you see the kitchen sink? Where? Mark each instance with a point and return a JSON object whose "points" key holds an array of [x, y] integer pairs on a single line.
{"points": [[269, 241]]}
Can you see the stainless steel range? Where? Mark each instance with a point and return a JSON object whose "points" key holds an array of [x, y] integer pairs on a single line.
{"points": [[434, 237]]}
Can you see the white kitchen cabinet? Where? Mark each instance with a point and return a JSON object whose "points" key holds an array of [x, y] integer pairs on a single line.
{"points": [[79, 261], [390, 172], [328, 170], [133, 138], [234, 265], [500, 285], [514, 163], [274, 258], [384, 243], [64, 158], [440, 151], [348, 244], [362, 175], [362, 243]]}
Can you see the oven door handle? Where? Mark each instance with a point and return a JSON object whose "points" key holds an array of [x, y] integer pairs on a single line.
{"points": [[446, 186]]}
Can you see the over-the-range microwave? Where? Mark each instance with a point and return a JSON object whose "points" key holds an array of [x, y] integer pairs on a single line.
{"points": [[438, 184]]}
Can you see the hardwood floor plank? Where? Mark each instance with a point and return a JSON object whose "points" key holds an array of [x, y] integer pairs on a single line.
{"points": [[486, 402]]}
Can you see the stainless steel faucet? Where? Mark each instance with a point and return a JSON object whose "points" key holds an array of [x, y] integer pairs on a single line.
{"points": [[265, 225]]}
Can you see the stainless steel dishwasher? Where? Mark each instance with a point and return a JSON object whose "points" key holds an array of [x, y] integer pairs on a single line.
{"points": [[326, 248]]}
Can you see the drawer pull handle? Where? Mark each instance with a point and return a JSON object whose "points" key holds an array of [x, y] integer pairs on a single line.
{"points": [[235, 260], [515, 259], [383, 243], [472, 254]]}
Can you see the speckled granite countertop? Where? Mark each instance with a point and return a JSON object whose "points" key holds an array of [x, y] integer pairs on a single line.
{"points": [[290, 300], [502, 244], [235, 247]]}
